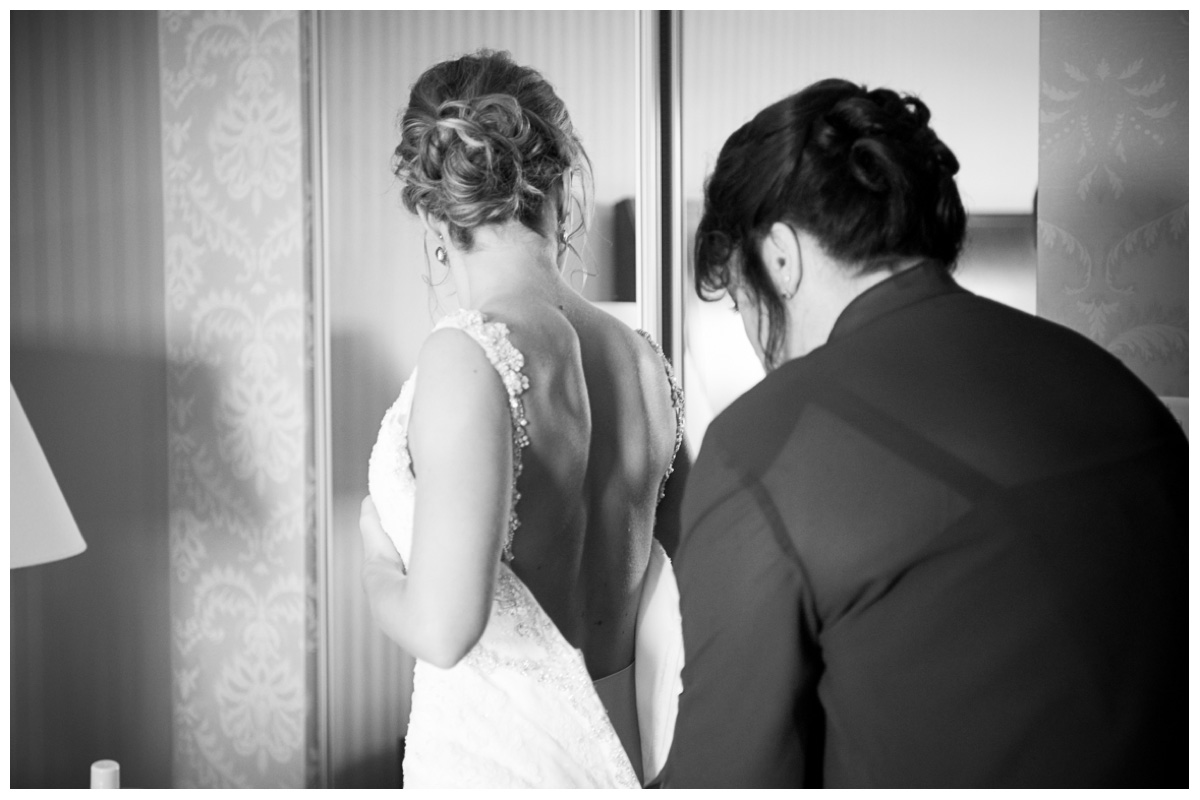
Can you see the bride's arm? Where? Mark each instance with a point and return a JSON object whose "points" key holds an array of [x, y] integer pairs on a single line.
{"points": [[460, 438]]}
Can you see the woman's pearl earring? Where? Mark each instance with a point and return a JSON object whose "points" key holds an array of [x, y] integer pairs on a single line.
{"points": [[785, 276], [792, 293], [440, 252]]}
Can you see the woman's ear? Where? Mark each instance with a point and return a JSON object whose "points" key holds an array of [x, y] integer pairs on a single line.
{"points": [[780, 251], [431, 224]]}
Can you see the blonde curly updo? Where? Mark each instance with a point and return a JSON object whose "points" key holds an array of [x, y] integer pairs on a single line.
{"points": [[484, 141]]}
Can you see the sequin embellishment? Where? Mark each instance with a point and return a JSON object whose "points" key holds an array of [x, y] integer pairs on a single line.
{"points": [[676, 403]]}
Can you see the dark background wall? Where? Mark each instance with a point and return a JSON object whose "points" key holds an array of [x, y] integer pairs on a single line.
{"points": [[90, 638]]}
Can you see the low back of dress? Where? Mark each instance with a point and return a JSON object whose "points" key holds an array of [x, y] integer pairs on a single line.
{"points": [[604, 424], [520, 709]]}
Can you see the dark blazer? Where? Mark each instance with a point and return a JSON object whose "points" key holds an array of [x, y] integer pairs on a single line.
{"points": [[946, 548]]}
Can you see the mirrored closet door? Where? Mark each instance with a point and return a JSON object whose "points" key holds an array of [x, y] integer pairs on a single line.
{"points": [[383, 290]]}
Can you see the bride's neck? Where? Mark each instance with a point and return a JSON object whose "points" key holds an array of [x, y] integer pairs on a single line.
{"points": [[506, 261]]}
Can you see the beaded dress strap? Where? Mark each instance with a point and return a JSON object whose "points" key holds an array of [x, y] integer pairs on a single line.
{"points": [[676, 404], [508, 362]]}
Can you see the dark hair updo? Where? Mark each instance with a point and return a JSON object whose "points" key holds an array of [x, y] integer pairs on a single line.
{"points": [[483, 141], [861, 171]]}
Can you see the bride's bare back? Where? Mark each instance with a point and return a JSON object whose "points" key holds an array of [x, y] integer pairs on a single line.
{"points": [[489, 160], [602, 432]]}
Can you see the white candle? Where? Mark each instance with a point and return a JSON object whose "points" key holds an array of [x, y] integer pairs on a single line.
{"points": [[106, 774]]}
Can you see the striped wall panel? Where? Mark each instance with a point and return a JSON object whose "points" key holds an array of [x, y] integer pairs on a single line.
{"points": [[977, 71], [85, 181], [89, 637]]}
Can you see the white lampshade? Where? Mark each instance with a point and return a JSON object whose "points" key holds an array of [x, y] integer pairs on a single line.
{"points": [[42, 527]]}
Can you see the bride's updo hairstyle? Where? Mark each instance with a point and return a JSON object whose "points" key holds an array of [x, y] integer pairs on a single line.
{"points": [[860, 171], [484, 141]]}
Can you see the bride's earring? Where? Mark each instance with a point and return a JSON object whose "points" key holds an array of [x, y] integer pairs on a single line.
{"points": [[564, 241], [440, 254], [564, 214]]}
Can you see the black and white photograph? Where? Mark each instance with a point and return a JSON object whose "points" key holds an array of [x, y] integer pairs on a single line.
{"points": [[599, 399]]}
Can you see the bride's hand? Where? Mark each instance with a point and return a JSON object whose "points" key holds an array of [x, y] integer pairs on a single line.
{"points": [[376, 543]]}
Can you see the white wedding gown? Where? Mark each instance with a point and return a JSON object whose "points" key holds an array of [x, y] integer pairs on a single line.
{"points": [[520, 710]]}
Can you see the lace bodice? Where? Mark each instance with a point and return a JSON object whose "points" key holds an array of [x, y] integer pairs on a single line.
{"points": [[520, 709], [391, 462]]}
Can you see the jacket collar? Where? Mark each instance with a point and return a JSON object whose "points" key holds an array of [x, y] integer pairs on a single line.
{"points": [[921, 282]]}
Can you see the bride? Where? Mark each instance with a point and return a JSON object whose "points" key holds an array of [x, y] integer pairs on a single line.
{"points": [[508, 533]]}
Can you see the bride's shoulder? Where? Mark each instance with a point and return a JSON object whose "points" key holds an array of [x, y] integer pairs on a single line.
{"points": [[459, 395], [453, 359], [470, 348]]}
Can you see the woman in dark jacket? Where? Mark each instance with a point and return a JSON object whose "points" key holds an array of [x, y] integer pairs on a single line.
{"points": [[943, 542]]}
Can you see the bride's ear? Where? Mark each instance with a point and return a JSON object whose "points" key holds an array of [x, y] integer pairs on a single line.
{"points": [[780, 252], [431, 225]]}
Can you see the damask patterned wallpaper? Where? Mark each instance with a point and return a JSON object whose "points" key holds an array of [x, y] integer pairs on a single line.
{"points": [[240, 492], [1113, 186]]}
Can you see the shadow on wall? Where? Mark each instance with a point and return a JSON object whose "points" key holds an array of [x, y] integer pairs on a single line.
{"points": [[382, 767], [370, 676], [1113, 186], [90, 637]]}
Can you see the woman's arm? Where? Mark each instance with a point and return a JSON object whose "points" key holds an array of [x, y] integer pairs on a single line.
{"points": [[747, 668], [460, 438]]}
